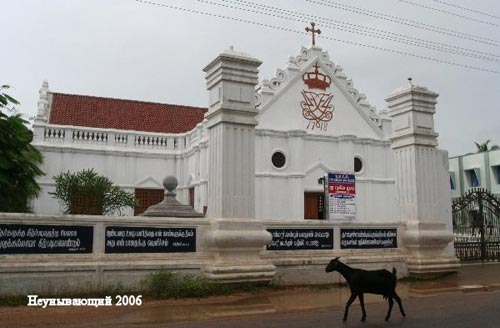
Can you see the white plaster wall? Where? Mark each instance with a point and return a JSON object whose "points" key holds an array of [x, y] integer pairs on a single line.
{"points": [[280, 192], [128, 171], [45, 203]]}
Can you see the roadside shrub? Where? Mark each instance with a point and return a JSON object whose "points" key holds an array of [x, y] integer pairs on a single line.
{"points": [[87, 192]]}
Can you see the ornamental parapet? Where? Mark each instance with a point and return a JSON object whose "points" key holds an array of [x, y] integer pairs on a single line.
{"points": [[87, 137]]}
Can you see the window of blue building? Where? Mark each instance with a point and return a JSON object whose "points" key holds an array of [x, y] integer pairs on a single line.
{"points": [[452, 181], [472, 176]]}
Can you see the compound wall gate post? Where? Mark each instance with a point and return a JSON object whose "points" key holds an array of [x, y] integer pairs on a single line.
{"points": [[481, 231]]}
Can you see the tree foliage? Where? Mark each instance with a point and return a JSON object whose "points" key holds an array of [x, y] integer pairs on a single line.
{"points": [[19, 160], [87, 192], [483, 146]]}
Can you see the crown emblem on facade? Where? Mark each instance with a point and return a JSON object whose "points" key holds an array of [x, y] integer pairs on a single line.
{"points": [[316, 80]]}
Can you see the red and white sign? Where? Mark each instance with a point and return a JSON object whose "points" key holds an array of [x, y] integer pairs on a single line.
{"points": [[341, 195]]}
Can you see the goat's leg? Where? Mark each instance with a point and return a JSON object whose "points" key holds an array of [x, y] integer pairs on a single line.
{"points": [[362, 302], [349, 302], [398, 299], [391, 303]]}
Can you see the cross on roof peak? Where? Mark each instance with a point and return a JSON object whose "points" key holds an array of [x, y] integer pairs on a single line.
{"points": [[314, 32]]}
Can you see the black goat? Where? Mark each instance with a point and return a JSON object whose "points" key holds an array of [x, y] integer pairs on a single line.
{"points": [[380, 282]]}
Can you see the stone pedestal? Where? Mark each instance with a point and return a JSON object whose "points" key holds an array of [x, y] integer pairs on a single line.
{"points": [[231, 80], [171, 207], [236, 245], [426, 242], [422, 182]]}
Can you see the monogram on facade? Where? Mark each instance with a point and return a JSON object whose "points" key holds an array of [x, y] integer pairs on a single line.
{"points": [[316, 106]]}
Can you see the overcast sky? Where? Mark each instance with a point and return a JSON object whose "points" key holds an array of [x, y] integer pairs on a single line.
{"points": [[132, 50]]}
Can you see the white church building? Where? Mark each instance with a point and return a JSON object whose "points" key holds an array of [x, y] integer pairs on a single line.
{"points": [[310, 121], [254, 162]]}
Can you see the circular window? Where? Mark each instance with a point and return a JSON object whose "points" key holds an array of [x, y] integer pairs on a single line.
{"points": [[278, 159], [358, 164]]}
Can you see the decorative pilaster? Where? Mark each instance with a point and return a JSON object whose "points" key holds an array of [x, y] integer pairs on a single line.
{"points": [[235, 240], [231, 80], [42, 115], [421, 181], [43, 103]]}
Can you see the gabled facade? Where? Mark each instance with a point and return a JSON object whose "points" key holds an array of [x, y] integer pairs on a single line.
{"points": [[311, 121], [319, 131]]}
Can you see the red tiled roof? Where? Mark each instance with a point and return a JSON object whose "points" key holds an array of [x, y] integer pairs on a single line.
{"points": [[123, 114]]}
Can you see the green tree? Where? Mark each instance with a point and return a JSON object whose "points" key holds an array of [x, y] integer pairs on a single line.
{"points": [[19, 160], [482, 147], [87, 192]]}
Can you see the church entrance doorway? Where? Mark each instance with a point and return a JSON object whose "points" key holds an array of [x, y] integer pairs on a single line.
{"points": [[314, 205], [191, 197]]}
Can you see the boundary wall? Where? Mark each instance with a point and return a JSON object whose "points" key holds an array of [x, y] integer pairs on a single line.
{"points": [[31, 272]]}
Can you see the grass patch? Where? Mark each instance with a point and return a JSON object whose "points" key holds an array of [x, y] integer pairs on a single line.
{"points": [[166, 284]]}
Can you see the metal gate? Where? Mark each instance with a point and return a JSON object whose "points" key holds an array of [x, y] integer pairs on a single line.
{"points": [[476, 226]]}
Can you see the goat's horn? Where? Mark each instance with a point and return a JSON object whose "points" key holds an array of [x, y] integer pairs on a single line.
{"points": [[336, 258]]}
